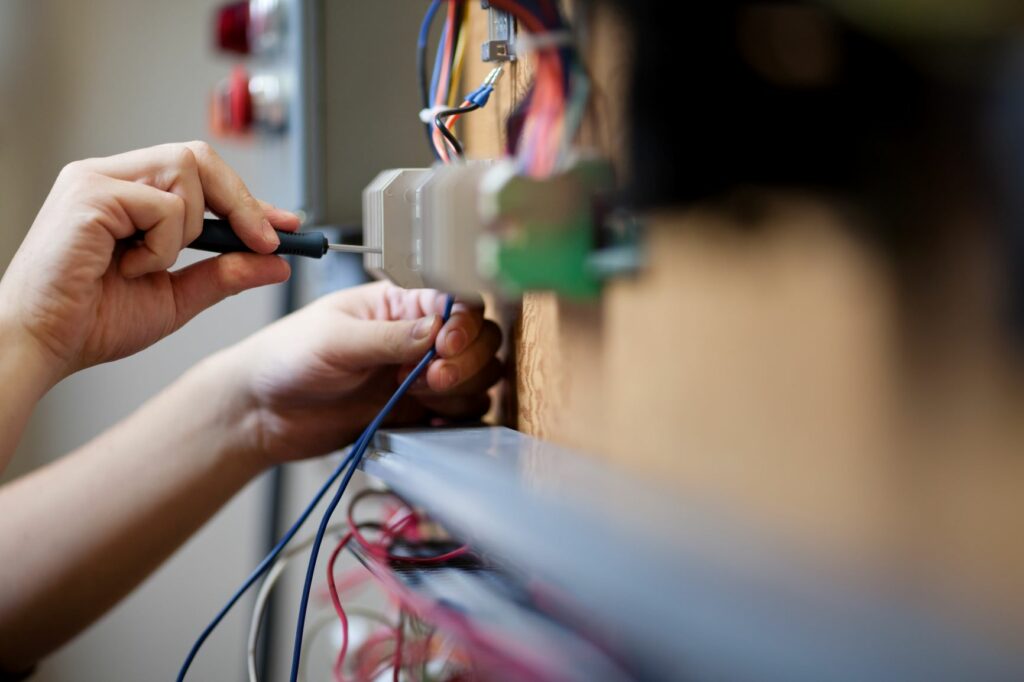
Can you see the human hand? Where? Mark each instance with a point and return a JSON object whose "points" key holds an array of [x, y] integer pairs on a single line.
{"points": [[85, 297], [313, 380]]}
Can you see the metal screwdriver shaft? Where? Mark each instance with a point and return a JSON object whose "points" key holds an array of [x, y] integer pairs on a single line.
{"points": [[352, 248]]}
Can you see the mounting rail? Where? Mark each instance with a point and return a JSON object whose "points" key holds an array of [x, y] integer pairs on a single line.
{"points": [[681, 592]]}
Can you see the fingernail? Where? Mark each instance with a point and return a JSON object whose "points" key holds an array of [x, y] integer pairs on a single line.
{"points": [[449, 375], [457, 341], [269, 234], [424, 327]]}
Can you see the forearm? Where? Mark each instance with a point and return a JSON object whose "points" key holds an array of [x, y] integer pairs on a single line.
{"points": [[80, 534]]}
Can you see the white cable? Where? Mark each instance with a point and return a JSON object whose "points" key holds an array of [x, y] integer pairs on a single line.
{"points": [[332, 617], [263, 597]]}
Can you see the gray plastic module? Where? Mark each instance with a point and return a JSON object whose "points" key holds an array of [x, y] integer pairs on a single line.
{"points": [[388, 208]]}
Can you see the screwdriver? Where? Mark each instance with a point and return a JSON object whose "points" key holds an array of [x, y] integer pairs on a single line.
{"points": [[218, 237]]}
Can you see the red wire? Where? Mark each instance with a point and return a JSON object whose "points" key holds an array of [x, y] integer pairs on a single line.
{"points": [[336, 602], [389, 531], [338, 609], [543, 107], [444, 80], [364, 656], [381, 552], [455, 117]]}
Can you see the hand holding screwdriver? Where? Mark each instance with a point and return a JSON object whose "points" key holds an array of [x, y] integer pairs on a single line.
{"points": [[78, 295]]}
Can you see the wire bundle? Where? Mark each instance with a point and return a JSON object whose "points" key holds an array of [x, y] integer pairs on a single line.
{"points": [[405, 526], [441, 94], [402, 523], [556, 99]]}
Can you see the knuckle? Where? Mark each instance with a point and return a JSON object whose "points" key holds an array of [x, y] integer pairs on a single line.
{"points": [[200, 148], [174, 206], [228, 275], [72, 171], [81, 183], [185, 159]]}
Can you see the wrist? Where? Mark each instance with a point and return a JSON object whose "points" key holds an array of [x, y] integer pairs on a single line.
{"points": [[219, 387], [26, 374], [25, 365]]}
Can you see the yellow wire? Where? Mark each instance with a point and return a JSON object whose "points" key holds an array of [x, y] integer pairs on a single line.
{"points": [[460, 51]]}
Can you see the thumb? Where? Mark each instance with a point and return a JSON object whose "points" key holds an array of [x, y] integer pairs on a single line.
{"points": [[371, 343], [210, 281]]}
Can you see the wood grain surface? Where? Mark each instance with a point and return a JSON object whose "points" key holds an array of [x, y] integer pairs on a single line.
{"points": [[774, 374]]}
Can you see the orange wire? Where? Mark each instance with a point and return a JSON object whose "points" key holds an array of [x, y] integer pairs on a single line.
{"points": [[442, 82]]}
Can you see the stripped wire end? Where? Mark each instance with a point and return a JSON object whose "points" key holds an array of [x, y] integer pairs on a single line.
{"points": [[493, 77]]}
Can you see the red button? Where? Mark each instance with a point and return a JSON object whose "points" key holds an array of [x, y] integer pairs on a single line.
{"points": [[240, 100], [233, 27]]}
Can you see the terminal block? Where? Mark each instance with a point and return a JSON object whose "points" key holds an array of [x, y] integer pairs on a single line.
{"points": [[388, 224], [501, 30], [448, 203], [483, 226]]}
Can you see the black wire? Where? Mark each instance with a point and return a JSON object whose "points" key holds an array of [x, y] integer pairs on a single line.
{"points": [[449, 135]]}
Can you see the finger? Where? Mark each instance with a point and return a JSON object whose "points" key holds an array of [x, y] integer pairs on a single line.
{"points": [[161, 215], [489, 375], [280, 218], [446, 374], [228, 196], [202, 284], [365, 344], [168, 167], [411, 303], [460, 331]]}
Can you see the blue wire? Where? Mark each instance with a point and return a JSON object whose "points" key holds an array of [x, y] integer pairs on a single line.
{"points": [[360, 448], [357, 455], [421, 68], [263, 565], [427, 20]]}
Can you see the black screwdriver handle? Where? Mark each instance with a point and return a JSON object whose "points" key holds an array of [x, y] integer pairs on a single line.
{"points": [[218, 237]]}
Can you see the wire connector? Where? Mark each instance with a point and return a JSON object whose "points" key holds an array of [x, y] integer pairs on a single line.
{"points": [[480, 96]]}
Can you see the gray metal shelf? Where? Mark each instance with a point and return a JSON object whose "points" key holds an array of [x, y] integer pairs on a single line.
{"points": [[682, 593]]}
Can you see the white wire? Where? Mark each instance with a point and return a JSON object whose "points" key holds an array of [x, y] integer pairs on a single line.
{"points": [[332, 617], [263, 597]]}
